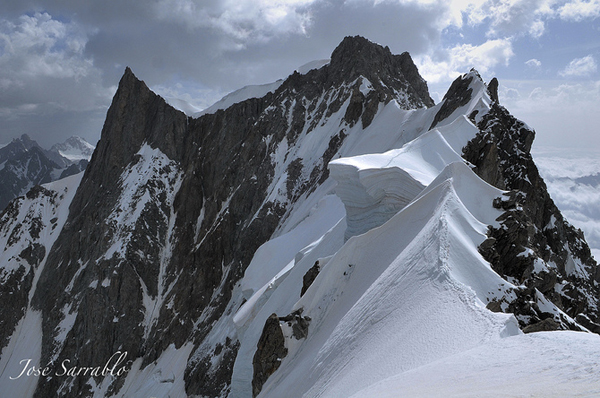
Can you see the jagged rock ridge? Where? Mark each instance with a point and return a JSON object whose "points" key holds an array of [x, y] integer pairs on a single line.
{"points": [[171, 211]]}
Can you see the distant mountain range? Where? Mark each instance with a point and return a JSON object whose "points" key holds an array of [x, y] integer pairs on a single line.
{"points": [[24, 164]]}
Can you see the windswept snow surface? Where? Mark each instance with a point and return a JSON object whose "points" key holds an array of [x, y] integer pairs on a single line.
{"points": [[399, 305], [162, 378], [247, 92], [376, 186], [546, 365], [317, 64], [400, 296]]}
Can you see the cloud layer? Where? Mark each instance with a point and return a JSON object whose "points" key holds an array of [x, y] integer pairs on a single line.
{"points": [[573, 180]]}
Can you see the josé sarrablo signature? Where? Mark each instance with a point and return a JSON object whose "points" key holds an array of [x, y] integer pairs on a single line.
{"points": [[115, 366]]}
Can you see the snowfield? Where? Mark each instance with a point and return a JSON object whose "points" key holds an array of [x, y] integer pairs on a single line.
{"points": [[545, 365], [399, 306]]}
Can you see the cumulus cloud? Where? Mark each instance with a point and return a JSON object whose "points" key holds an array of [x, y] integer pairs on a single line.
{"points": [[563, 114], [574, 100], [509, 18], [578, 10], [580, 67], [461, 58], [44, 70], [242, 20], [38, 45]]}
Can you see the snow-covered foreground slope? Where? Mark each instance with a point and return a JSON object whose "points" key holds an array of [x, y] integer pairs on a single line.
{"points": [[546, 364], [400, 296]]}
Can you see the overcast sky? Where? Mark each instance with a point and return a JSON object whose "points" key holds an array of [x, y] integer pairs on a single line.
{"points": [[60, 61]]}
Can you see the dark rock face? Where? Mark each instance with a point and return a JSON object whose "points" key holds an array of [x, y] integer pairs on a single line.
{"points": [[356, 57], [459, 94], [547, 325], [298, 323], [534, 246], [270, 350], [25, 167], [309, 277], [493, 89], [73, 169]]}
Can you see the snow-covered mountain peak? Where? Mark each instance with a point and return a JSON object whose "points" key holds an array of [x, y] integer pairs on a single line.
{"points": [[333, 235], [74, 149]]}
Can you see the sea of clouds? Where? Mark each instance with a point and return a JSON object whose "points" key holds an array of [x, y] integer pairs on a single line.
{"points": [[573, 180]]}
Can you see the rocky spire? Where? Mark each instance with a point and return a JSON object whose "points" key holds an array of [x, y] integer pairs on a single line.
{"points": [[357, 56], [534, 245]]}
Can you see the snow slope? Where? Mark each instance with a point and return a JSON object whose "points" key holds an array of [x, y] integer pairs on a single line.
{"points": [[49, 212], [182, 105], [397, 297], [399, 306], [546, 364], [316, 226], [247, 92], [317, 64], [376, 186]]}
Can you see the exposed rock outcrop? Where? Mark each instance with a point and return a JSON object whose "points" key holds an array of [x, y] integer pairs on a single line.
{"points": [[310, 277], [271, 347], [269, 353], [534, 246]]}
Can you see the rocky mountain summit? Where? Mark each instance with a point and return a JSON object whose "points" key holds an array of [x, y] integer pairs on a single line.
{"points": [[24, 164], [222, 253]]}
